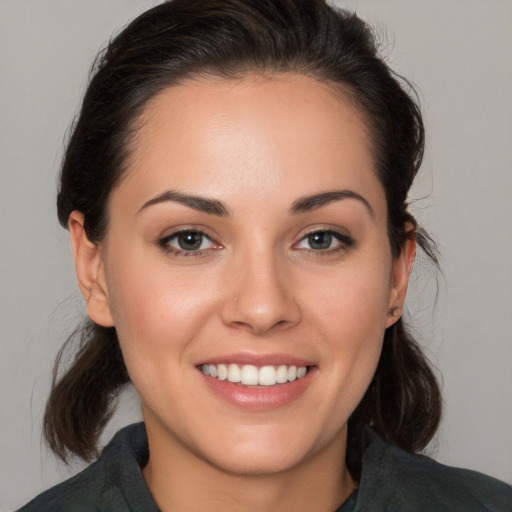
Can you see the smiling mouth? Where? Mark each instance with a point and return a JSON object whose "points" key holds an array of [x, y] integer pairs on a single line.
{"points": [[250, 375]]}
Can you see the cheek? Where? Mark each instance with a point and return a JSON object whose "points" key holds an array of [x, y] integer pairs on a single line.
{"points": [[155, 308], [350, 316], [353, 299]]}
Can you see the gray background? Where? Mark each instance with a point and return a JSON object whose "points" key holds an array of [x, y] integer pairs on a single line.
{"points": [[458, 52]]}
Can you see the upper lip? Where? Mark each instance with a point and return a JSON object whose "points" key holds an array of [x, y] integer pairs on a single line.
{"points": [[268, 359]]}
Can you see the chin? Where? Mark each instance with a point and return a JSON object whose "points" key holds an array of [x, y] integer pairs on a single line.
{"points": [[255, 463], [264, 453]]}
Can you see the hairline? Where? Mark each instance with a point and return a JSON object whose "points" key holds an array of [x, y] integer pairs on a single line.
{"points": [[340, 91]]}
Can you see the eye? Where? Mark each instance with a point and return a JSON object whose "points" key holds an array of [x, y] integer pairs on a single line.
{"points": [[187, 242], [325, 241]]}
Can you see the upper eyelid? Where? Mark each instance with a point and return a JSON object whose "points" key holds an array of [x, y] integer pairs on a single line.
{"points": [[310, 230], [344, 239], [335, 231], [172, 232], [186, 230], [164, 242]]}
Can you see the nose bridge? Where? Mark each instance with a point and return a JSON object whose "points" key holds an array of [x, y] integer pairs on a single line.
{"points": [[260, 297]]}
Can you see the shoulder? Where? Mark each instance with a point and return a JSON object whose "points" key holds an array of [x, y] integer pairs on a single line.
{"points": [[86, 491], [113, 483], [393, 479]]}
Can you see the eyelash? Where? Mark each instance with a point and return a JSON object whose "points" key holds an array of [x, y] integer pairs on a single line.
{"points": [[345, 243], [165, 242]]}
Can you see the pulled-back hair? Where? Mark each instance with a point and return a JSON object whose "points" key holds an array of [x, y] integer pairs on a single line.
{"points": [[184, 39]]}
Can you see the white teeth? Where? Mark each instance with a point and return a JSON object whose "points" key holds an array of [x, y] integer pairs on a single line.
{"points": [[267, 376], [234, 373], [292, 373], [282, 374], [250, 375], [222, 372]]}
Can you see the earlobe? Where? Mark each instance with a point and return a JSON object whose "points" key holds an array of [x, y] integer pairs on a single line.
{"points": [[90, 272], [402, 266]]}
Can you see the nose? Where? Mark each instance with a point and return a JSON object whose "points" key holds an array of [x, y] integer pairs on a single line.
{"points": [[259, 296]]}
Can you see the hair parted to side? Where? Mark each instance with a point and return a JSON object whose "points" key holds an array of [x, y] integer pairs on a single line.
{"points": [[183, 39]]}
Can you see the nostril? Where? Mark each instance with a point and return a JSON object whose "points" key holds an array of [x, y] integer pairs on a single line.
{"points": [[259, 305]]}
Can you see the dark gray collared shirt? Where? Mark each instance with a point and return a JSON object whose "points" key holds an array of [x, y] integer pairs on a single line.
{"points": [[392, 480]]}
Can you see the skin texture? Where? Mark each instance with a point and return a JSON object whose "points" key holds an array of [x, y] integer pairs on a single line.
{"points": [[256, 287]]}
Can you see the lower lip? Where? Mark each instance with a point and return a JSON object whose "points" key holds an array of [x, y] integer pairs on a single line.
{"points": [[259, 398]]}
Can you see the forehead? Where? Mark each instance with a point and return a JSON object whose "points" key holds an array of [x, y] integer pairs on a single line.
{"points": [[282, 135]]}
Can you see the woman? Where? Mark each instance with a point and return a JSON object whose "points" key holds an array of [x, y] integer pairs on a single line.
{"points": [[236, 194]]}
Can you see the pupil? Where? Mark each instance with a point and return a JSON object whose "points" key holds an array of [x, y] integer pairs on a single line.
{"points": [[190, 241], [320, 240]]}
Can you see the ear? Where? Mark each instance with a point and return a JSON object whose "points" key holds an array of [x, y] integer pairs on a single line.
{"points": [[90, 272], [400, 277]]}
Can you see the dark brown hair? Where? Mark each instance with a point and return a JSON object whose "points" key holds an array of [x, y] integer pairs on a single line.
{"points": [[229, 38]]}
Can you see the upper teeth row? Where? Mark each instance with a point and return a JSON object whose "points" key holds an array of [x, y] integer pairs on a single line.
{"points": [[252, 375]]}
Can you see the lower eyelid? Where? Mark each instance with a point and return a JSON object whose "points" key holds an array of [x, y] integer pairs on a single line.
{"points": [[341, 238], [344, 241], [165, 244]]}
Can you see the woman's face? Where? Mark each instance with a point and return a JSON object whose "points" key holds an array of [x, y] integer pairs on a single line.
{"points": [[248, 239]]}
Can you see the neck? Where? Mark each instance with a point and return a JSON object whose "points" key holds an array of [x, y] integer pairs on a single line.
{"points": [[181, 480]]}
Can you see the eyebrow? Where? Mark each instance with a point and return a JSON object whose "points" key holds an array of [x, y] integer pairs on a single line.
{"points": [[201, 204], [216, 207], [308, 203]]}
